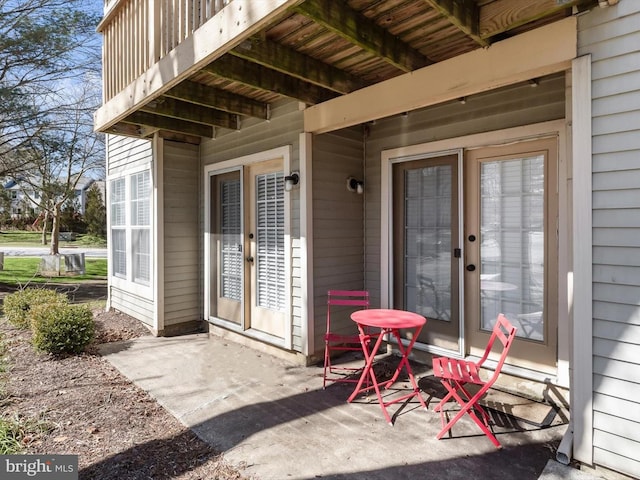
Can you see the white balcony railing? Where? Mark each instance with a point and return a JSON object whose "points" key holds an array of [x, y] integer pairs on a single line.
{"points": [[138, 33]]}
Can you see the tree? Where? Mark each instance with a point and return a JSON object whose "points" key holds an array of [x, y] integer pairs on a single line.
{"points": [[59, 159], [43, 44], [71, 219], [95, 213]]}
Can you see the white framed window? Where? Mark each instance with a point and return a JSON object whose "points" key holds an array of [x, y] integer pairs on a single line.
{"points": [[130, 224]]}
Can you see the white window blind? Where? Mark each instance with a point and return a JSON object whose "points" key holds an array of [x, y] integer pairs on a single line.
{"points": [[231, 258], [141, 199], [118, 228], [141, 226], [141, 248], [118, 199], [119, 252], [270, 259]]}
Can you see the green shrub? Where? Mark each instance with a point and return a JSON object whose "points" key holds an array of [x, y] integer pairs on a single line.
{"points": [[18, 305], [62, 328]]}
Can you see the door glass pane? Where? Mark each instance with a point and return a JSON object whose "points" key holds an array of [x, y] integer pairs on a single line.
{"points": [[231, 261], [427, 257], [270, 260], [512, 244]]}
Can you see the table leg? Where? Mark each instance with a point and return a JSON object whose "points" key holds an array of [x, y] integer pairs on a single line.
{"points": [[367, 371], [404, 362]]}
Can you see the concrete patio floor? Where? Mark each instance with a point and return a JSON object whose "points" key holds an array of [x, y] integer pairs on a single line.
{"points": [[274, 418]]}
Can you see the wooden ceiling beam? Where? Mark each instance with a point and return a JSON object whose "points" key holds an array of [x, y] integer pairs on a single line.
{"points": [[219, 99], [500, 16], [180, 137], [286, 60], [361, 31], [124, 129], [147, 132], [172, 124], [463, 14], [170, 107], [256, 76]]}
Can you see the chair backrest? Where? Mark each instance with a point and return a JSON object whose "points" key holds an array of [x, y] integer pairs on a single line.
{"points": [[350, 298], [505, 333]]}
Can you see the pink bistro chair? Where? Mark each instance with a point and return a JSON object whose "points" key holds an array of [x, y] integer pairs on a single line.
{"points": [[339, 342], [455, 374]]}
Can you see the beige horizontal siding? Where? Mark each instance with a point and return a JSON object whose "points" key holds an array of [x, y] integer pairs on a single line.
{"points": [[182, 292], [338, 222], [136, 306], [126, 153]]}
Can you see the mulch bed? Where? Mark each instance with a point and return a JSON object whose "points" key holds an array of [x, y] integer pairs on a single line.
{"points": [[87, 408]]}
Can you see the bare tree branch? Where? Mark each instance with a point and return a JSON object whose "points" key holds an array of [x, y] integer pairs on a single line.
{"points": [[45, 46], [61, 156]]}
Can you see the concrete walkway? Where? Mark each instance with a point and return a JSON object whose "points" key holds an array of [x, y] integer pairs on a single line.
{"points": [[274, 418]]}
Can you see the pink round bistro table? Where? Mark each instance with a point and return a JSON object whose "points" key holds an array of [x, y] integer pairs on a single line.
{"points": [[388, 318], [390, 322]]}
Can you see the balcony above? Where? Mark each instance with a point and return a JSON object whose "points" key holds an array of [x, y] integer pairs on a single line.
{"points": [[185, 68]]}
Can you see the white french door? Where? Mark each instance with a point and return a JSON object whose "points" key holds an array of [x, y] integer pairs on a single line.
{"points": [[427, 257], [266, 247], [461, 263], [247, 254], [511, 245]]}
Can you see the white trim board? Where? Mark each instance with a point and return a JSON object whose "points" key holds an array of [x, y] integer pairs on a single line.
{"points": [[582, 295], [542, 51], [306, 243], [157, 234]]}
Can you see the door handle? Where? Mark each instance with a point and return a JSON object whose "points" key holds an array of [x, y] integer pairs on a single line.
{"points": [[250, 259], [471, 267]]}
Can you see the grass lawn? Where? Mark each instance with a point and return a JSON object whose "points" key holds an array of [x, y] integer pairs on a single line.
{"points": [[23, 270], [18, 238]]}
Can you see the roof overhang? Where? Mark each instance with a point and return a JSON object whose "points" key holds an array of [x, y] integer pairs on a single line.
{"points": [[347, 61]]}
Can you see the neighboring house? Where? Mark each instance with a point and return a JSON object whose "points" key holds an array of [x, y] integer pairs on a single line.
{"points": [[80, 193], [21, 204], [22, 194], [496, 143]]}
